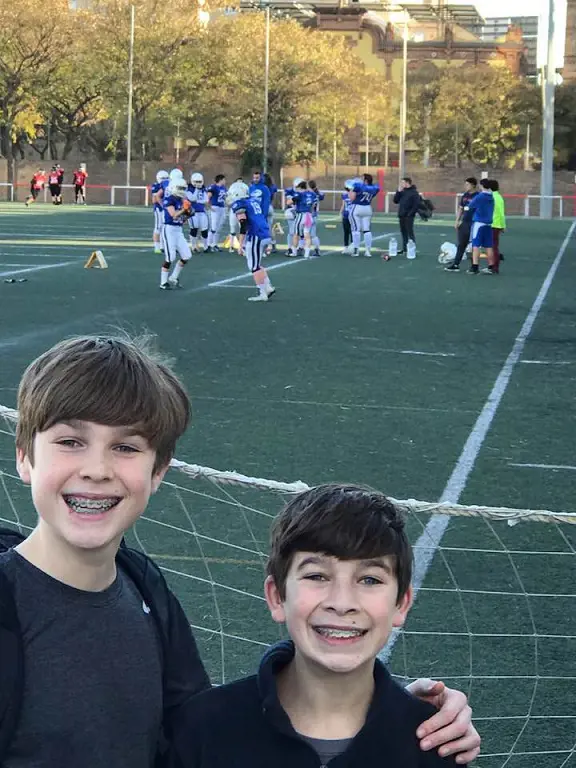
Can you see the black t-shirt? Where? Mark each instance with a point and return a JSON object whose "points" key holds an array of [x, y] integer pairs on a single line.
{"points": [[93, 674], [464, 202]]}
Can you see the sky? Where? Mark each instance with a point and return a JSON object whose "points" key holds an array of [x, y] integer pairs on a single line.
{"points": [[508, 7], [503, 7]]}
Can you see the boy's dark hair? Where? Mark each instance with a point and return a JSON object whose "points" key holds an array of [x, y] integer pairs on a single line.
{"points": [[349, 522], [312, 184], [494, 186], [368, 179], [219, 177], [472, 180], [268, 180], [485, 183], [407, 179], [110, 380]]}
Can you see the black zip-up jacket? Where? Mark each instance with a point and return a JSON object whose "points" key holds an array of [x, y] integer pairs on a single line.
{"points": [[408, 201], [183, 674], [243, 725]]}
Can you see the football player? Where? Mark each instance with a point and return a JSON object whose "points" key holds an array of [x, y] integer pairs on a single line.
{"points": [[315, 211], [176, 209], [37, 183], [157, 190], [198, 195], [55, 185], [79, 181], [254, 235], [361, 195], [217, 213], [304, 200]]}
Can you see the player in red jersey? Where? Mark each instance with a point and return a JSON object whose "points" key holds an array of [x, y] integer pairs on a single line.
{"points": [[79, 181], [37, 183]]}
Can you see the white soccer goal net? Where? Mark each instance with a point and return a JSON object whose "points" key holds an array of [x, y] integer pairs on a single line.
{"points": [[495, 613]]}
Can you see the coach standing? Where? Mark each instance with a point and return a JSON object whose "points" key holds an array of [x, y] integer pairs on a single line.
{"points": [[407, 198]]}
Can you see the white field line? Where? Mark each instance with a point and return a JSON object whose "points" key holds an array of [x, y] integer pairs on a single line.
{"points": [[431, 537], [545, 466], [37, 268], [281, 265]]}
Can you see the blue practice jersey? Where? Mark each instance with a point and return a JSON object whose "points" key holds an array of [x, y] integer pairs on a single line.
{"points": [[319, 197], [261, 194], [289, 193], [347, 204], [156, 187], [198, 198], [218, 195], [305, 200], [483, 207], [257, 223], [178, 204], [365, 193]]}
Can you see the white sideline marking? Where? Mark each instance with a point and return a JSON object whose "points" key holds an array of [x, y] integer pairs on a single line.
{"points": [[547, 362], [35, 269], [282, 264], [428, 354], [545, 466], [431, 537]]}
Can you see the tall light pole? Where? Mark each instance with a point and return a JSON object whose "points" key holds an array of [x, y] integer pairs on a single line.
{"points": [[548, 88], [404, 104], [266, 89], [367, 136], [130, 98]]}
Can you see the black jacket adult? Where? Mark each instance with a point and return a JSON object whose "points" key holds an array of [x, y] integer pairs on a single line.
{"points": [[243, 724], [408, 201], [183, 674]]}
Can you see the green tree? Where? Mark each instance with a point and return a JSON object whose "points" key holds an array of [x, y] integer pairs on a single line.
{"points": [[491, 108], [31, 45]]}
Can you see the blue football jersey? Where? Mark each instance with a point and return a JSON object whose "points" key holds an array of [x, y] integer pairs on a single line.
{"points": [[365, 193], [319, 197], [218, 192], [257, 223], [347, 204], [290, 192], [261, 194], [156, 187], [198, 198], [178, 204], [305, 201]]}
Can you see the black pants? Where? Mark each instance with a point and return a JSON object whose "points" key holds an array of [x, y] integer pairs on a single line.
{"points": [[407, 230], [347, 231], [464, 231]]}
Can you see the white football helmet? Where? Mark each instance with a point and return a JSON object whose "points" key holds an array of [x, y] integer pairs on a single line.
{"points": [[197, 180], [297, 181], [175, 175], [161, 175], [356, 181], [237, 191], [447, 253], [177, 188], [348, 184]]}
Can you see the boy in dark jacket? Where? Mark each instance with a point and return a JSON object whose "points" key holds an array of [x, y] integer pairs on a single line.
{"points": [[408, 200], [339, 576], [91, 675]]}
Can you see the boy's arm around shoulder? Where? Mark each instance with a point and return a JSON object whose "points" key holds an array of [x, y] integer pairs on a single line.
{"points": [[184, 672]]}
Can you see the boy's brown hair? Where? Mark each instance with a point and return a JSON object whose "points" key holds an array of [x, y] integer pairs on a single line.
{"points": [[349, 522], [110, 380]]}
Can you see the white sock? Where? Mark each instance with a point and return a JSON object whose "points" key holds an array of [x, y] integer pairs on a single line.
{"points": [[316, 242], [368, 240], [306, 253], [205, 243], [289, 241], [193, 242], [164, 273], [356, 240], [176, 271]]}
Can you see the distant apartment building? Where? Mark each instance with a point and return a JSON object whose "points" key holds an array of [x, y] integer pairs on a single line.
{"points": [[496, 29]]}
